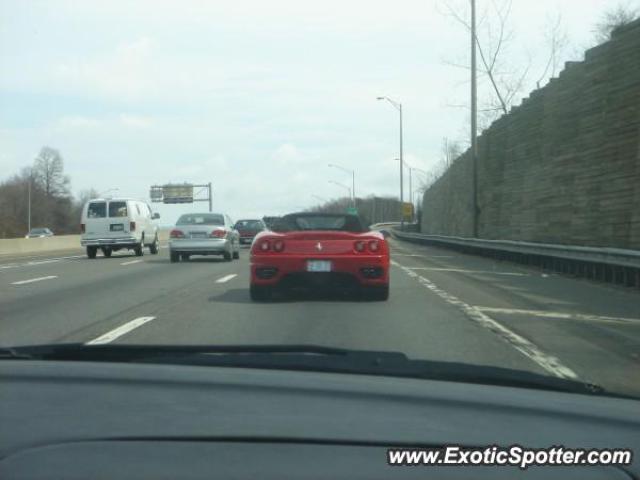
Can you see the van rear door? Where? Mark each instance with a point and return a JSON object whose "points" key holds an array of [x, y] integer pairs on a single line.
{"points": [[96, 222], [119, 217]]}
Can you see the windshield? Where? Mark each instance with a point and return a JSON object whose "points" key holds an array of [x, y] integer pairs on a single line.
{"points": [[248, 225], [201, 219], [396, 184]]}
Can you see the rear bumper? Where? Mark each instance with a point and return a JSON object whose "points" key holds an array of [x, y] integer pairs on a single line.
{"points": [[364, 269], [116, 241], [208, 246]]}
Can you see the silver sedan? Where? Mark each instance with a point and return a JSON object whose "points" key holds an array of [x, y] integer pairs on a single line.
{"points": [[204, 234]]}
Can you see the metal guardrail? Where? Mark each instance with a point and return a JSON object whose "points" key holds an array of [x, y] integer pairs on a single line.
{"points": [[606, 264]]}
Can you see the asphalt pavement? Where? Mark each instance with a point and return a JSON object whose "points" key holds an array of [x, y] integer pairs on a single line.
{"points": [[443, 305]]}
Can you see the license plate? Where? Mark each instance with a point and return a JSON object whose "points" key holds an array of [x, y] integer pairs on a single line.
{"points": [[117, 227], [318, 266], [198, 235]]}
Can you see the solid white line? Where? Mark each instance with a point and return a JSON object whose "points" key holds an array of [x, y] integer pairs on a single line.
{"points": [[548, 362], [460, 270], [39, 279], [226, 278], [131, 262], [118, 332], [560, 315], [422, 256]]}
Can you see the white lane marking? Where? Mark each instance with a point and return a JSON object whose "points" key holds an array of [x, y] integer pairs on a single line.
{"points": [[38, 262], [423, 256], [131, 262], [41, 262], [561, 315], [31, 280], [548, 362], [226, 278], [461, 270], [111, 335]]}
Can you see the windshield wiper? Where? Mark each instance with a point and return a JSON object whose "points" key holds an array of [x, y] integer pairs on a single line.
{"points": [[302, 358]]}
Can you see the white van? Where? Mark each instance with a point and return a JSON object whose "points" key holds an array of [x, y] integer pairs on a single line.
{"points": [[115, 223]]}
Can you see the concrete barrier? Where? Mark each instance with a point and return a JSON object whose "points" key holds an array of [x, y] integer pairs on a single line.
{"points": [[13, 246]]}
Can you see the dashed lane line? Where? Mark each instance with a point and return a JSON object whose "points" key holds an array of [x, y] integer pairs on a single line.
{"points": [[32, 280], [226, 278], [112, 335], [131, 262]]}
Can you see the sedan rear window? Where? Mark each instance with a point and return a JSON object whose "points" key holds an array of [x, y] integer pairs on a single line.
{"points": [[117, 209], [201, 219], [97, 210]]}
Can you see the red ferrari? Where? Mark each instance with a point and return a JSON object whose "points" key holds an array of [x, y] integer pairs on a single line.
{"points": [[320, 250]]}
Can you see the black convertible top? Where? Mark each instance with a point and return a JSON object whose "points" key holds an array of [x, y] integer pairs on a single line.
{"points": [[342, 222]]}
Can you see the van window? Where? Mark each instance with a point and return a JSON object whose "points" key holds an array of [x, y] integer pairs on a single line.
{"points": [[117, 209], [97, 210]]}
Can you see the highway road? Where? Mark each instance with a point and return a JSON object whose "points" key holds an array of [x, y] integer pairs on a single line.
{"points": [[444, 305]]}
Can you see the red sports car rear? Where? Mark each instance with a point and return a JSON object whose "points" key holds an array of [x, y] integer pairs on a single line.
{"points": [[319, 251]]}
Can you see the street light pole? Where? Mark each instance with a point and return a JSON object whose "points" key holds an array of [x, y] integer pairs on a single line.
{"points": [[29, 205], [353, 181], [474, 112], [398, 106], [341, 185]]}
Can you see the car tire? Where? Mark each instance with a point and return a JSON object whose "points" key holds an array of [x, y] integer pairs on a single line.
{"points": [[261, 293], [91, 252], [236, 254], [106, 251], [227, 256], [174, 257], [377, 293], [139, 248], [153, 248]]}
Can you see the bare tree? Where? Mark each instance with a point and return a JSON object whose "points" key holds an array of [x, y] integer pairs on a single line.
{"points": [[614, 18], [48, 172], [557, 41]]}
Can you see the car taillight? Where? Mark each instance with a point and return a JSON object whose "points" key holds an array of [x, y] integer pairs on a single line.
{"points": [[218, 234], [132, 226], [82, 227], [176, 234], [359, 246], [374, 246], [278, 246], [264, 246]]}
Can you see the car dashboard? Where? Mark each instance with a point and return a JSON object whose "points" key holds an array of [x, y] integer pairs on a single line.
{"points": [[108, 420]]}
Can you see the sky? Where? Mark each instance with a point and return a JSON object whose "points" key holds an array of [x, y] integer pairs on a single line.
{"points": [[256, 97]]}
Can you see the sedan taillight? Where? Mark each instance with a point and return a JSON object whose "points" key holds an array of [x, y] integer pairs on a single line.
{"points": [[218, 234], [176, 234]]}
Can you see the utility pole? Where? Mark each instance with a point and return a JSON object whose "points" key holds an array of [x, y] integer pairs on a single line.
{"points": [[474, 129], [210, 199], [29, 205]]}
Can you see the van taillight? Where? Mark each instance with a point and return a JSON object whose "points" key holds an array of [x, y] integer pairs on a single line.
{"points": [[82, 227], [132, 226]]}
